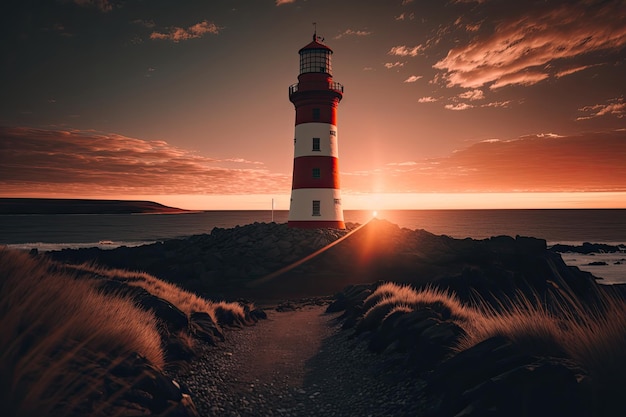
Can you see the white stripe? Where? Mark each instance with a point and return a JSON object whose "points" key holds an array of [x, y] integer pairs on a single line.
{"points": [[302, 204], [305, 132]]}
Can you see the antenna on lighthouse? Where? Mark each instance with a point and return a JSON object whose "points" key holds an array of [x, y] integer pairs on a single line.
{"points": [[315, 37]]}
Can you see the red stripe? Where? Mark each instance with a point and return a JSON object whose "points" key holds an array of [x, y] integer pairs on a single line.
{"points": [[327, 112], [317, 224], [303, 172]]}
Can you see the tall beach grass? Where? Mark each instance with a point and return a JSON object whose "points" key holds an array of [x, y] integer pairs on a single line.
{"points": [[591, 336], [54, 329], [61, 336]]}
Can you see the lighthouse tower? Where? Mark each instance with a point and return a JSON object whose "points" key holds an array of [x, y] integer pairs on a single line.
{"points": [[315, 194]]}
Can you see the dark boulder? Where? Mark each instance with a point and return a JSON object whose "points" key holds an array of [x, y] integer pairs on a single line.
{"points": [[135, 384], [203, 327]]}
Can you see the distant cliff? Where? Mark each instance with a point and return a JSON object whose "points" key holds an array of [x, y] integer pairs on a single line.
{"points": [[81, 206]]}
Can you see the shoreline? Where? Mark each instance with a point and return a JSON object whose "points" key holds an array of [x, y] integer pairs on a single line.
{"points": [[605, 260]]}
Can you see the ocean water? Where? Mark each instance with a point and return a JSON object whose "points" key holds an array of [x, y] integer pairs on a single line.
{"points": [[572, 226]]}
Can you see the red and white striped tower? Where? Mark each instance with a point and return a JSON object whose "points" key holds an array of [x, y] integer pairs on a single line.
{"points": [[315, 194]]}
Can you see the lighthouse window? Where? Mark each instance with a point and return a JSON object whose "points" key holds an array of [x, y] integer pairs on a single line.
{"points": [[317, 173], [316, 208], [316, 144], [315, 61], [316, 114]]}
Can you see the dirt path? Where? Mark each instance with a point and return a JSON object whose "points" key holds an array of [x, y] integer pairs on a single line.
{"points": [[280, 347], [298, 363]]}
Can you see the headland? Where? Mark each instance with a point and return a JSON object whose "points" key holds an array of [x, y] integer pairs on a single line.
{"points": [[82, 206]]}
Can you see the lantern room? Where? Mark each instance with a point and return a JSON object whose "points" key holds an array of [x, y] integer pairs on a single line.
{"points": [[315, 57]]}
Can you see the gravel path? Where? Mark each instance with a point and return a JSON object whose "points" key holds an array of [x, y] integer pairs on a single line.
{"points": [[298, 363]]}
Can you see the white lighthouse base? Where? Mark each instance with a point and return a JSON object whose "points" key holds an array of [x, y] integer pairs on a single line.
{"points": [[305, 213]]}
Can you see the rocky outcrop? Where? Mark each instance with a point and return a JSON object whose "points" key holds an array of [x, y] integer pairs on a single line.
{"points": [[222, 263], [209, 262], [588, 248], [496, 378]]}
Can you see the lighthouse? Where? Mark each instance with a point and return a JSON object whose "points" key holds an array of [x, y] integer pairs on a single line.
{"points": [[315, 192]]}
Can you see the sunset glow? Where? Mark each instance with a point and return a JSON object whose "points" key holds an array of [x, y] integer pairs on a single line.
{"points": [[447, 105]]}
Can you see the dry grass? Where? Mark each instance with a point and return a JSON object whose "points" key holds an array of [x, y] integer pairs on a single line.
{"points": [[593, 337], [390, 297], [53, 327], [186, 301], [61, 336]]}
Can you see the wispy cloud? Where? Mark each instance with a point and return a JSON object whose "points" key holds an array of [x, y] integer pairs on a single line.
{"points": [[350, 32], [177, 34], [281, 2], [534, 163], [102, 5], [427, 99], [522, 50], [405, 16], [458, 106], [145, 23], [614, 107], [412, 78], [83, 161], [504, 104], [472, 95], [396, 64], [568, 71], [403, 50]]}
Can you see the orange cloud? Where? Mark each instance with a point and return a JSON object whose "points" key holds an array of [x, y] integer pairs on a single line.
{"points": [[48, 161], [412, 78], [615, 107], [177, 34], [403, 50], [540, 163], [350, 32], [518, 51]]}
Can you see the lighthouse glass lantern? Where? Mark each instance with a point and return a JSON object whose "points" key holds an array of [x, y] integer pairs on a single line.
{"points": [[315, 192]]}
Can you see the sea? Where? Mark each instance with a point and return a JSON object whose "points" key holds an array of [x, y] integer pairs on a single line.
{"points": [[567, 226]]}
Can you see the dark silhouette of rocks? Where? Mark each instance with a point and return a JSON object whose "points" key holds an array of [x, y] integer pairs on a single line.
{"points": [[227, 262], [588, 248]]}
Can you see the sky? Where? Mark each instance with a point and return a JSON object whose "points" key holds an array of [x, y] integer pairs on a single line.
{"points": [[447, 104]]}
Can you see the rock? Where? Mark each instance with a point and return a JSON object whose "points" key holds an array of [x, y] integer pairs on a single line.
{"points": [[588, 248], [258, 314], [496, 378], [168, 314], [546, 387], [228, 317], [135, 384], [203, 327]]}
